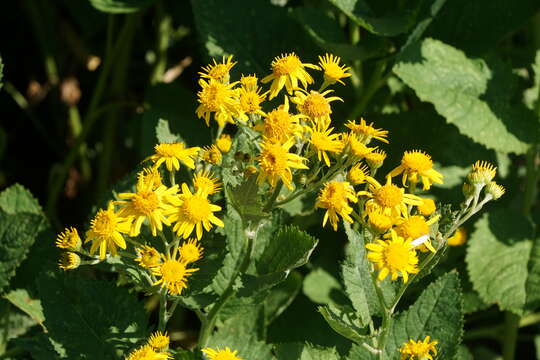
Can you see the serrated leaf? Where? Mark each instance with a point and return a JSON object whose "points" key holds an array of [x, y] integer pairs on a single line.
{"points": [[17, 199], [345, 324], [30, 306], [164, 134], [497, 256], [298, 351], [246, 200], [359, 352], [90, 318], [290, 248], [120, 6], [247, 344], [472, 95], [436, 313], [17, 234]]}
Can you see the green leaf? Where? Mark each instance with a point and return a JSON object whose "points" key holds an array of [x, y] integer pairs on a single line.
{"points": [[437, 314], [359, 352], [281, 297], [399, 20], [121, 6], [246, 200], [247, 344], [164, 134], [532, 284], [497, 256], [90, 318], [40, 347], [30, 306], [12, 324], [17, 234], [290, 248], [531, 95], [473, 95], [322, 288], [345, 324], [17, 199], [298, 351]]}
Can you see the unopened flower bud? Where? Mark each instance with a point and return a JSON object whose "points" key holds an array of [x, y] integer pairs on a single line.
{"points": [[69, 261], [375, 159], [495, 190], [224, 143]]}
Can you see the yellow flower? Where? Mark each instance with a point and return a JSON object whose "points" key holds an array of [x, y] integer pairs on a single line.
{"points": [[147, 353], [495, 190], [459, 237], [358, 174], [482, 173], [68, 239], [375, 158], [172, 274], [378, 221], [314, 104], [193, 211], [250, 103], [335, 197], [205, 182], [218, 98], [427, 207], [146, 204], [419, 350], [288, 70], [355, 147], [322, 140], [147, 256], [172, 155], [415, 227], [394, 256], [279, 125], [106, 231], [224, 143], [69, 261], [159, 340], [249, 82], [415, 164], [390, 198], [276, 162], [211, 154], [225, 354], [152, 176], [190, 251], [332, 70], [218, 71], [367, 132]]}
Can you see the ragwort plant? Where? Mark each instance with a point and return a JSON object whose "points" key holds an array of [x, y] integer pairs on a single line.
{"points": [[266, 155]]}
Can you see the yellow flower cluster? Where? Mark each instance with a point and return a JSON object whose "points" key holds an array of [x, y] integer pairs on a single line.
{"points": [[154, 349], [419, 350], [223, 354]]}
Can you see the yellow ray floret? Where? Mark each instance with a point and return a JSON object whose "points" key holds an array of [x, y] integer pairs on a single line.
{"points": [[322, 139], [106, 230], [358, 174], [419, 350], [276, 162], [193, 211], [249, 102], [415, 227], [335, 197], [355, 147], [172, 155], [218, 71], [147, 256], [333, 72], [482, 173], [249, 82], [427, 207], [394, 256], [212, 155], [279, 125], [223, 354], [172, 274], [375, 158], [459, 237], [146, 352], [315, 105], [218, 99], [366, 132], [389, 198], [417, 165], [224, 143], [190, 251], [68, 239], [288, 71], [159, 340], [146, 204], [69, 261], [205, 182]]}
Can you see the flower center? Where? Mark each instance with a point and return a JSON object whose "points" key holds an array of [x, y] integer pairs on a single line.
{"points": [[149, 257], [286, 65], [380, 221], [190, 253], [333, 71], [321, 141], [413, 228], [416, 161], [145, 202], [214, 95], [250, 102], [173, 271], [105, 223], [196, 208], [336, 195], [388, 195], [397, 256], [278, 124], [169, 150], [219, 71], [316, 105], [274, 159]]}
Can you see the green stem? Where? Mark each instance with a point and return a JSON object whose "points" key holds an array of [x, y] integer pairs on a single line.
{"points": [[273, 197], [162, 311], [375, 82], [162, 40], [511, 324], [76, 129]]}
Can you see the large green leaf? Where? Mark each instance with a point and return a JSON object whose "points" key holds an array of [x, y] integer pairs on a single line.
{"points": [[90, 318], [17, 199], [474, 95], [282, 296], [497, 257], [345, 324], [31, 306], [436, 313], [322, 288], [298, 351], [121, 6]]}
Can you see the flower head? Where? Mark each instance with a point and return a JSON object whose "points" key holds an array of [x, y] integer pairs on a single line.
{"points": [[333, 72], [389, 198], [146, 352], [375, 158], [193, 212], [212, 155], [415, 227], [224, 143], [366, 131], [250, 102], [315, 105], [358, 174], [394, 256], [427, 207], [172, 155], [356, 148], [279, 125], [147, 256], [218, 71], [68, 239], [106, 231], [249, 82], [379, 221], [217, 98], [205, 182], [276, 162], [482, 173], [324, 141], [172, 274], [494, 190], [419, 350], [459, 237], [159, 340], [287, 71], [224, 354], [190, 251], [335, 197], [152, 176], [417, 164], [69, 261]]}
